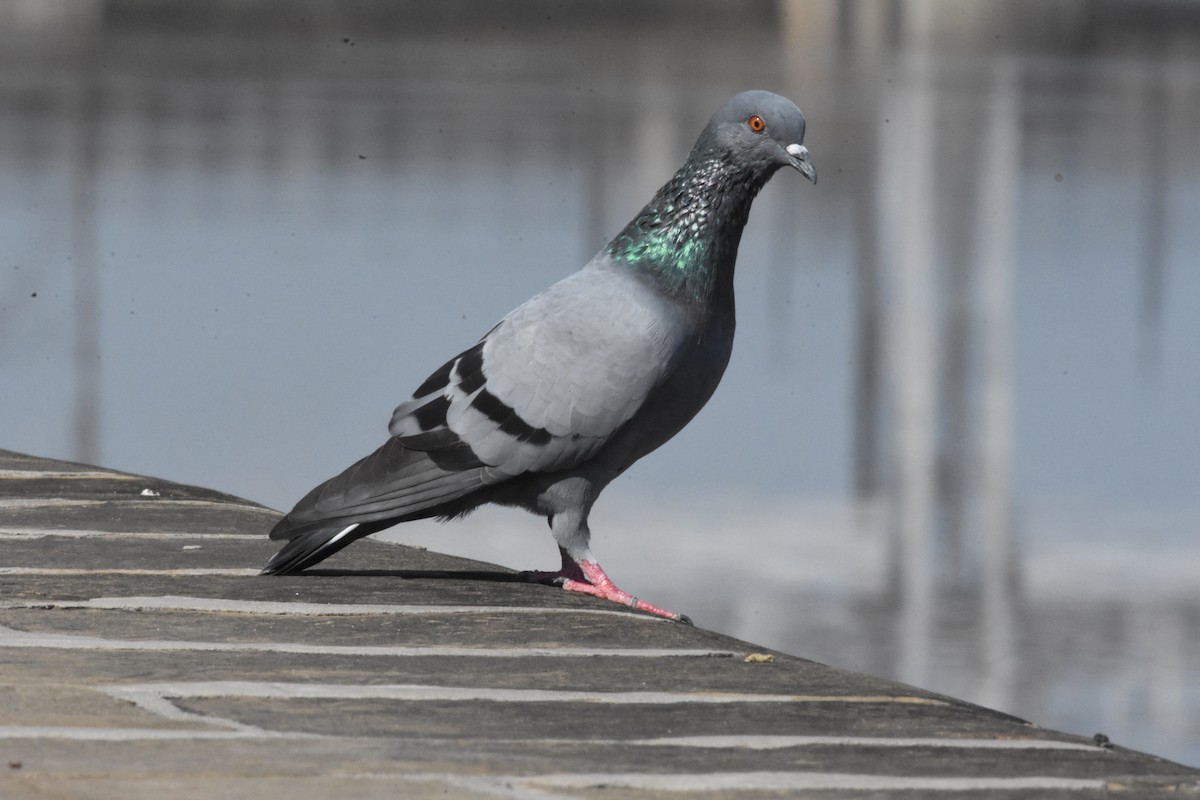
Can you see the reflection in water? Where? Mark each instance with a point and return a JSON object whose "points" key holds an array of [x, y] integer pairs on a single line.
{"points": [[234, 238]]}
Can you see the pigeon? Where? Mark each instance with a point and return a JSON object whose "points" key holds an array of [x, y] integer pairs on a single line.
{"points": [[572, 387]]}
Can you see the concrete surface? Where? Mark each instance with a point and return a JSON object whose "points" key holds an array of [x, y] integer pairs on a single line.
{"points": [[141, 656]]}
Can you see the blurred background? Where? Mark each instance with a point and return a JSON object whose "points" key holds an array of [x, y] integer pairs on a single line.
{"points": [[958, 443]]}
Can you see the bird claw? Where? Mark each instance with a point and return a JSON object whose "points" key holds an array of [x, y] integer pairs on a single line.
{"points": [[587, 577]]}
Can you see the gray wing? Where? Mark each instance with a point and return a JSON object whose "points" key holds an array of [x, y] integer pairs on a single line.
{"points": [[552, 382]]}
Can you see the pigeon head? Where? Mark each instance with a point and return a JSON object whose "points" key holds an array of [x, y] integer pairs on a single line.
{"points": [[687, 236], [760, 130]]}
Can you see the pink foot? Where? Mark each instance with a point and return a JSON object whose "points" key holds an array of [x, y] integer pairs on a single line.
{"points": [[587, 577]]}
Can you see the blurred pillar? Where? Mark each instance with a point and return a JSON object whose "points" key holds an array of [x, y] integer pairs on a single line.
{"points": [[84, 123], [860, 34], [959, 147], [995, 225], [1156, 150], [809, 54], [907, 165]]}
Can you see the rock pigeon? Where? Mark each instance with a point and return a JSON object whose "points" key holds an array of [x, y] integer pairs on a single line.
{"points": [[582, 380]]}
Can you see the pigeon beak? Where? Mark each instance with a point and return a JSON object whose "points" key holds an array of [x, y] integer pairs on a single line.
{"points": [[798, 158]]}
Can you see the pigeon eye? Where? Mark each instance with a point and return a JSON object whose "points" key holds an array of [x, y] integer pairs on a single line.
{"points": [[756, 123]]}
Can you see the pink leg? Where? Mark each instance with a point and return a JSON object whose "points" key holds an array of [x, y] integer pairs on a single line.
{"points": [[587, 577]]}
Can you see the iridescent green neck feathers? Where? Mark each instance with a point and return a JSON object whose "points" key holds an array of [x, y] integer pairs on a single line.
{"points": [[687, 235]]}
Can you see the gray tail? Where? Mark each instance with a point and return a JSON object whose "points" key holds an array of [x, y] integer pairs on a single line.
{"points": [[393, 484], [309, 548]]}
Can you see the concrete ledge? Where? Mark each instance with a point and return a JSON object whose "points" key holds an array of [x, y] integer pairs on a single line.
{"points": [[141, 656]]}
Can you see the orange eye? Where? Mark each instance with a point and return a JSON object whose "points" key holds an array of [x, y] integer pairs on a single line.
{"points": [[756, 123]]}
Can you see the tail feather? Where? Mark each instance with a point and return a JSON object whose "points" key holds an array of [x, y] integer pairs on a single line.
{"points": [[309, 548], [393, 484]]}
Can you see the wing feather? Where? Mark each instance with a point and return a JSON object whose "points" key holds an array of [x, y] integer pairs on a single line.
{"points": [[552, 382]]}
